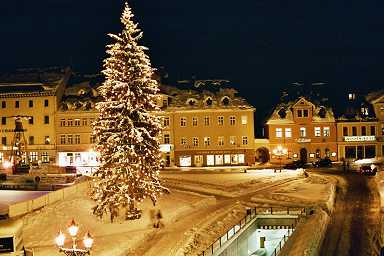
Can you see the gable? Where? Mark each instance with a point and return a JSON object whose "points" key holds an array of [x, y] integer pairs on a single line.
{"points": [[302, 102]]}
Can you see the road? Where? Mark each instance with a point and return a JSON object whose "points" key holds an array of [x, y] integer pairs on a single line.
{"points": [[356, 217], [8, 197]]}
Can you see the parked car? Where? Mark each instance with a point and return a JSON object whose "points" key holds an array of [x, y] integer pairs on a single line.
{"points": [[369, 170], [294, 165], [323, 162]]}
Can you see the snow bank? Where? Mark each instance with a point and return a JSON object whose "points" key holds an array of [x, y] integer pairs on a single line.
{"points": [[308, 236]]}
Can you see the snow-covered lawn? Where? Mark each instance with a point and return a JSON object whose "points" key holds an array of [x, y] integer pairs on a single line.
{"points": [[192, 221]]}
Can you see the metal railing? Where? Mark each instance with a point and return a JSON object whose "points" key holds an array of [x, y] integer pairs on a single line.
{"points": [[250, 215], [284, 239]]}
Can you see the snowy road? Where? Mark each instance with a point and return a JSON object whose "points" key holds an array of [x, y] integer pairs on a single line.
{"points": [[8, 197], [355, 219]]}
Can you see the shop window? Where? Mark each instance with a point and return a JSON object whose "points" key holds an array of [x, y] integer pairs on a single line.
{"points": [[370, 151], [241, 159], [185, 161], [227, 159], [327, 152], [350, 152], [198, 160], [219, 160], [360, 152], [210, 160], [234, 159]]}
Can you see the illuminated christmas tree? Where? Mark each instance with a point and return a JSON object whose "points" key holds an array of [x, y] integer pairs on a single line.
{"points": [[127, 128]]}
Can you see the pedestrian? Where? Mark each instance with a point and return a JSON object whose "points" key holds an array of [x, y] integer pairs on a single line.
{"points": [[159, 216], [152, 217]]}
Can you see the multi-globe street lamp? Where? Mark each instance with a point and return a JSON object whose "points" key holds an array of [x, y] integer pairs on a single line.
{"points": [[279, 151], [73, 228]]}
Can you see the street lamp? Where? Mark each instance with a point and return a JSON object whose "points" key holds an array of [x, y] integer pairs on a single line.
{"points": [[279, 151], [73, 228]]}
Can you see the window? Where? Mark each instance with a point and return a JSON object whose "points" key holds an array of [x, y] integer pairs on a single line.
{"points": [[232, 120], [33, 156], [47, 140], [345, 131], [3, 104], [208, 102], [318, 155], [92, 139], [17, 104], [317, 131], [279, 132], [165, 102], [363, 131], [30, 103], [354, 131], [31, 140], [210, 160], [46, 103], [373, 130], [77, 122], [46, 120], [351, 96], [3, 120], [303, 132], [207, 141], [167, 139], [85, 122], [244, 120], [183, 141], [206, 120], [299, 113], [30, 120], [183, 121], [62, 139], [245, 140], [4, 140], [220, 120], [166, 121], [305, 112], [69, 139], [195, 141], [194, 121], [77, 139], [220, 141], [232, 140], [288, 132], [326, 131], [45, 157], [225, 101], [62, 122], [70, 122]]}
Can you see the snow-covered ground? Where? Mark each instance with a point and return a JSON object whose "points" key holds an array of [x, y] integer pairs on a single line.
{"points": [[193, 216]]}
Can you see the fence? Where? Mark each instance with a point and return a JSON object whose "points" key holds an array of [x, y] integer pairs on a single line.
{"points": [[284, 240], [252, 213], [22, 208]]}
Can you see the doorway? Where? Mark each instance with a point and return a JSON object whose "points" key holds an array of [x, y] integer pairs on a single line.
{"points": [[303, 155]]}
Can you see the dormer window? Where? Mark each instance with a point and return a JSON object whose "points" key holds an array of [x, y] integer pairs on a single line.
{"points": [[305, 112], [322, 112], [225, 101], [191, 102], [208, 101], [364, 111], [282, 113]]}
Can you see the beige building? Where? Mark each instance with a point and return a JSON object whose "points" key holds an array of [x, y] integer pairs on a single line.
{"points": [[207, 128], [32, 99]]}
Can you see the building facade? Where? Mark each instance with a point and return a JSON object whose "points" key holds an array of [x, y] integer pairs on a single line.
{"points": [[302, 130], [207, 128]]}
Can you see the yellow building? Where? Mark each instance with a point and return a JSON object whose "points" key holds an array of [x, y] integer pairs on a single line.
{"points": [[31, 98], [207, 128]]}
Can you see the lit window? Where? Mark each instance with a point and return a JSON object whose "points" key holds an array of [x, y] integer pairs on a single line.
{"points": [[195, 141], [279, 132], [227, 159], [183, 141], [288, 132], [207, 141], [185, 161], [183, 121], [232, 120], [220, 120], [303, 132], [47, 140], [317, 131], [210, 160], [244, 120], [206, 120], [33, 156], [232, 140], [241, 158], [166, 121], [220, 141], [245, 140], [45, 157], [194, 121], [326, 131]]}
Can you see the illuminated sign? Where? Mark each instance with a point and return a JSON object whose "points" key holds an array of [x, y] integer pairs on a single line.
{"points": [[303, 140], [359, 138]]}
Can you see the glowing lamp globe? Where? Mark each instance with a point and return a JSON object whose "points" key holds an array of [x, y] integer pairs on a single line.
{"points": [[73, 228], [60, 239], [88, 241]]}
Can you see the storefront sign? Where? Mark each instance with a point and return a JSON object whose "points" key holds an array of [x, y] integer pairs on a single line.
{"points": [[359, 138], [303, 140]]}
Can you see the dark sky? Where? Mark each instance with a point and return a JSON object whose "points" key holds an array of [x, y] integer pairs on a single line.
{"points": [[260, 45]]}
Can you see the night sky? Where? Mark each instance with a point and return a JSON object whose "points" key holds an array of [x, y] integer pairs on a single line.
{"points": [[260, 46]]}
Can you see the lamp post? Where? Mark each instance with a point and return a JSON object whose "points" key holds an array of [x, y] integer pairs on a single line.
{"points": [[279, 151], [73, 228]]}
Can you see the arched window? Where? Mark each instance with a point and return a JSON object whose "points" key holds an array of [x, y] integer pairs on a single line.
{"points": [[209, 101], [191, 102], [225, 101]]}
